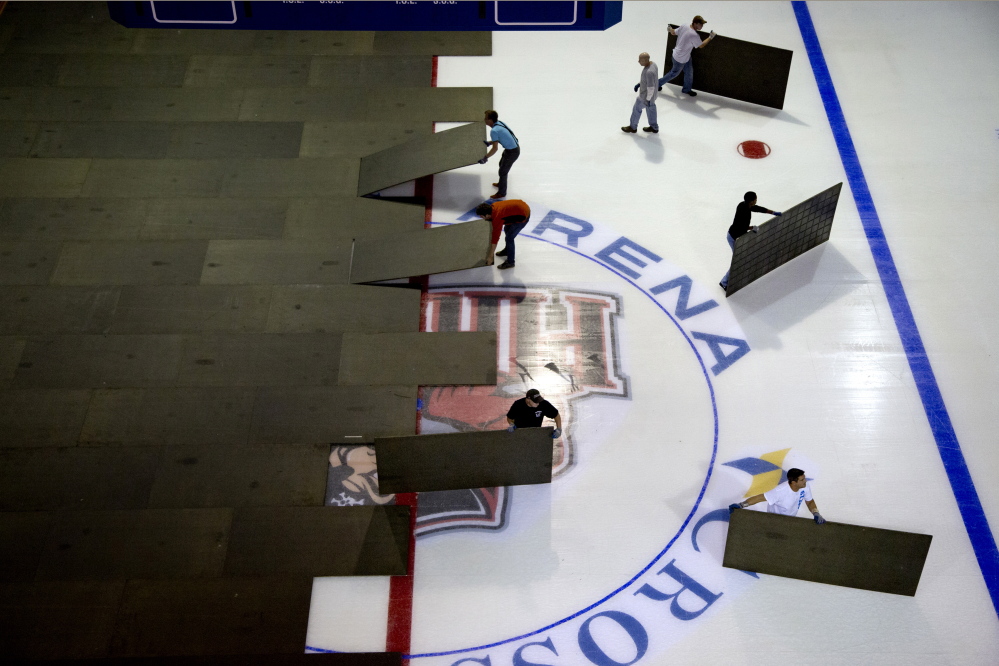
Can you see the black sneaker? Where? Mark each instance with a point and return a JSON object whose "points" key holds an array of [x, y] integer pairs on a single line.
{"points": [[505, 265], [629, 129], [692, 93], [649, 129], [501, 253]]}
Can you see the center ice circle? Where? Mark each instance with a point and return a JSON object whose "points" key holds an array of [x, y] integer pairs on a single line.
{"points": [[656, 449]]}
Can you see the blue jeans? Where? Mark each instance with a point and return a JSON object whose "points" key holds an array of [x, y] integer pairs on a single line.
{"points": [[650, 110], [731, 244], [688, 74], [509, 156], [510, 232]]}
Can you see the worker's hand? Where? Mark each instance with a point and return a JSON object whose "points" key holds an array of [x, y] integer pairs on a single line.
{"points": [[819, 520], [511, 428], [733, 507], [711, 34], [556, 433], [637, 85], [483, 160], [777, 213], [753, 229]]}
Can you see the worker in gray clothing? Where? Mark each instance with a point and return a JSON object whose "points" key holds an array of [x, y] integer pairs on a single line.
{"points": [[648, 92]]}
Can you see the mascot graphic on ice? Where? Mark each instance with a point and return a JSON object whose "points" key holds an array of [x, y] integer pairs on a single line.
{"points": [[561, 341]]}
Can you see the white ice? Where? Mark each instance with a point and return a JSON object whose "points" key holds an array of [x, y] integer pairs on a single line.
{"points": [[826, 377]]}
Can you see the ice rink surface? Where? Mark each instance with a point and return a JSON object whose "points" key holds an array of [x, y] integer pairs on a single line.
{"points": [[675, 411]]}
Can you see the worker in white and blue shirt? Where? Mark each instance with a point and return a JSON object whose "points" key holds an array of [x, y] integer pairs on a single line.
{"points": [[687, 40], [501, 135], [648, 92], [786, 498]]}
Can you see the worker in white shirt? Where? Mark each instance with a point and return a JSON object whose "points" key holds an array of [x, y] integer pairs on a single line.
{"points": [[648, 92], [786, 498], [687, 40]]}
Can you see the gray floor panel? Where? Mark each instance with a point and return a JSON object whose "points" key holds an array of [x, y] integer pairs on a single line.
{"points": [[421, 156], [221, 616], [77, 478], [445, 43], [215, 219], [24, 177], [130, 262], [155, 178], [337, 414], [191, 309], [865, 558], [46, 219], [23, 535], [98, 361], [258, 71], [29, 69], [276, 262], [72, 38], [11, 349], [452, 104], [192, 42], [407, 105], [40, 310], [123, 71], [357, 139], [452, 248], [234, 139], [238, 476], [175, 104], [339, 308], [298, 105], [27, 262], [418, 358], [329, 176], [152, 544], [169, 416], [312, 42], [344, 218], [140, 140], [6, 32], [300, 359], [37, 418], [58, 104], [58, 620], [17, 137], [319, 541], [456, 461], [353, 71]]}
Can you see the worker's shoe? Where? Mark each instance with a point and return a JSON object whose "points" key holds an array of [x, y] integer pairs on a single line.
{"points": [[505, 265], [501, 253], [629, 130], [649, 129]]}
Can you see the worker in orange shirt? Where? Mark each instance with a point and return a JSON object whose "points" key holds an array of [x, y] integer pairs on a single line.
{"points": [[510, 217]]}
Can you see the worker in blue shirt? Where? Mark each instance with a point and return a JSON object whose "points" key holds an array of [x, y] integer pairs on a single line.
{"points": [[500, 135]]}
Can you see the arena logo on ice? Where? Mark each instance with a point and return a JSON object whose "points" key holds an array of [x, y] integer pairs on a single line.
{"points": [[565, 340], [560, 341]]}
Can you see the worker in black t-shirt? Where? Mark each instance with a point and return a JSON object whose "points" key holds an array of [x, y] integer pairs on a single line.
{"points": [[530, 412], [740, 225]]}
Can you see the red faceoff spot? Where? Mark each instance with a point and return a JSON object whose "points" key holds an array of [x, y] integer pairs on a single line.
{"points": [[754, 150]]}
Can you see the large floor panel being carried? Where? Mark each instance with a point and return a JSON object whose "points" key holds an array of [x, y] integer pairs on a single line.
{"points": [[464, 460]]}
